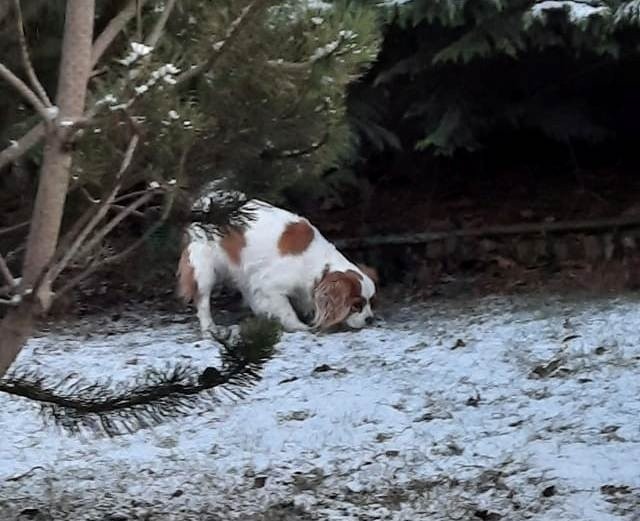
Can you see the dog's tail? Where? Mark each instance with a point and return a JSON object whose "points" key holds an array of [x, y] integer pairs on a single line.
{"points": [[187, 287]]}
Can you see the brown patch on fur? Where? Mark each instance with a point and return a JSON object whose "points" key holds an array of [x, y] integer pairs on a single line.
{"points": [[370, 272], [295, 238], [335, 296], [187, 286], [232, 243]]}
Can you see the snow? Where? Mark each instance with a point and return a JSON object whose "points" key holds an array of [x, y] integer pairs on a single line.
{"points": [[579, 11], [52, 112], [525, 408], [138, 50]]}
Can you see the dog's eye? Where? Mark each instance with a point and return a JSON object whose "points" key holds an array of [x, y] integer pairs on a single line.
{"points": [[357, 306]]}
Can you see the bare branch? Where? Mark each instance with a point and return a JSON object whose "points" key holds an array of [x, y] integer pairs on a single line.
{"points": [[156, 33], [113, 259], [28, 65], [18, 148], [296, 152], [245, 17], [90, 198], [24, 90], [101, 212], [6, 273], [14, 227], [100, 45], [121, 216], [113, 29]]}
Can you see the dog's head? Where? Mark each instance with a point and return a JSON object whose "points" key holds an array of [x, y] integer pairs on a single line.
{"points": [[344, 297]]}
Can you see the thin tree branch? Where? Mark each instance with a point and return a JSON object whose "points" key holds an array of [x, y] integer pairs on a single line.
{"points": [[6, 273], [245, 17], [100, 213], [29, 95], [100, 45], [293, 153], [156, 33], [115, 221], [139, 20], [28, 65], [20, 147], [112, 259], [14, 227], [113, 29]]}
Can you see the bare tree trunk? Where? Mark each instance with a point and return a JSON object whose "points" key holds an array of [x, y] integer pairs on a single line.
{"points": [[75, 67]]}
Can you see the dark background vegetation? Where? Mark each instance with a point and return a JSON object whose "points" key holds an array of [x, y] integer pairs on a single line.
{"points": [[475, 113]]}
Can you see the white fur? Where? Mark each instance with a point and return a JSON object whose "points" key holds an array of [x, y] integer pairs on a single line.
{"points": [[266, 278]]}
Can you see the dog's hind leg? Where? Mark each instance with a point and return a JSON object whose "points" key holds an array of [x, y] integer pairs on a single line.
{"points": [[204, 259]]}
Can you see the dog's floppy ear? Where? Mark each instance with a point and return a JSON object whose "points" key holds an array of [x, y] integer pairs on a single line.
{"points": [[370, 272], [333, 297]]}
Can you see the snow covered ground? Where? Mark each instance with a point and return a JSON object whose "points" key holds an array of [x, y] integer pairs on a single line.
{"points": [[490, 409]]}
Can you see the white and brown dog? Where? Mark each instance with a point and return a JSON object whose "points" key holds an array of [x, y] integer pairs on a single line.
{"points": [[277, 259]]}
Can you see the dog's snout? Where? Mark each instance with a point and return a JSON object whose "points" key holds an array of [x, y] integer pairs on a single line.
{"points": [[369, 320]]}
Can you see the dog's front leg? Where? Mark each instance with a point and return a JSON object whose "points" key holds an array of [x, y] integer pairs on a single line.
{"points": [[276, 305]]}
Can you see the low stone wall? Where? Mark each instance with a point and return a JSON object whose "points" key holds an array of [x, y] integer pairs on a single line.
{"points": [[398, 262]]}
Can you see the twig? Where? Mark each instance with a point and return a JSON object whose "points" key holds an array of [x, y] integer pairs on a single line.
{"points": [[136, 213], [90, 198], [14, 227], [6, 273], [123, 214], [158, 28], [139, 20], [130, 195], [21, 146], [28, 65], [29, 95], [514, 229], [124, 253], [113, 29], [112, 259], [293, 153], [101, 212], [231, 35], [25, 474]]}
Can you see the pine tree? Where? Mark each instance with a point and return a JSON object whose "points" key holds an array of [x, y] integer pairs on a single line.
{"points": [[249, 94], [456, 72]]}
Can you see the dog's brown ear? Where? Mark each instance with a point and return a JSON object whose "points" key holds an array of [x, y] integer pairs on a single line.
{"points": [[333, 297], [370, 272]]}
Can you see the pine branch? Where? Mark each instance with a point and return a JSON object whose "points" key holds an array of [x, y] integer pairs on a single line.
{"points": [[232, 34], [154, 397]]}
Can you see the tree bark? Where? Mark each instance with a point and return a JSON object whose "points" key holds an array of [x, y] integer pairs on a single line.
{"points": [[75, 68]]}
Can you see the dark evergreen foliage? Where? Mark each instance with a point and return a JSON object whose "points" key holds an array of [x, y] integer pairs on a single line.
{"points": [[458, 75]]}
